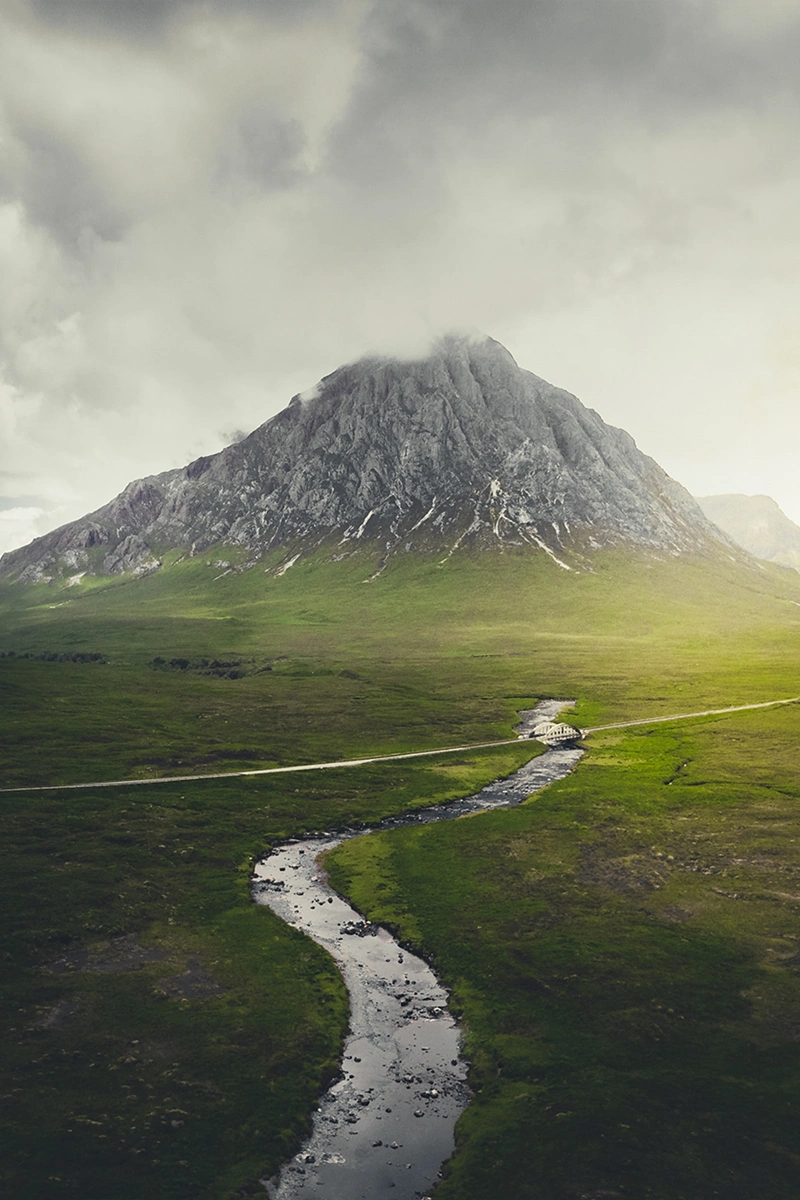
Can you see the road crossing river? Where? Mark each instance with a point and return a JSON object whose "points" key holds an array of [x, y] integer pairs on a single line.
{"points": [[386, 1126]]}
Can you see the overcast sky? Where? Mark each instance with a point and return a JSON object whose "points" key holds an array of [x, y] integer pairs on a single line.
{"points": [[204, 207]]}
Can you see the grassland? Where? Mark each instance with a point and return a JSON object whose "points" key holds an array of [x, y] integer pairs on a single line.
{"points": [[624, 951], [166, 1038], [427, 655], [162, 1036]]}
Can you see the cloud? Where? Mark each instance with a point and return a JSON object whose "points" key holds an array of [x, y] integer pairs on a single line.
{"points": [[135, 18], [20, 525], [207, 206], [148, 20]]}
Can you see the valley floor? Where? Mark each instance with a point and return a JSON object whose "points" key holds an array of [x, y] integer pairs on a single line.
{"points": [[623, 950], [358, 762]]}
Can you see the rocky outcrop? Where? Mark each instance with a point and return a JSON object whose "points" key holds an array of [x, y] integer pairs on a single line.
{"points": [[461, 448]]}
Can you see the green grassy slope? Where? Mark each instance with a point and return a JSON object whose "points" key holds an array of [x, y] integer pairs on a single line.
{"points": [[428, 654], [167, 1038]]}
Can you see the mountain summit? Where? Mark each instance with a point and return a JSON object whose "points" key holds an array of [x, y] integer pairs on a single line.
{"points": [[456, 449]]}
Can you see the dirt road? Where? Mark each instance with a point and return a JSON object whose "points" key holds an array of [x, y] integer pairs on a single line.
{"points": [[359, 762]]}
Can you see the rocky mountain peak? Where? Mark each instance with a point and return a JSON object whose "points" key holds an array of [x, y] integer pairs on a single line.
{"points": [[460, 448]]}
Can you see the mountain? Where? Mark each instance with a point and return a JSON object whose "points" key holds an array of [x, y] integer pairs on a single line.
{"points": [[461, 448], [757, 524]]}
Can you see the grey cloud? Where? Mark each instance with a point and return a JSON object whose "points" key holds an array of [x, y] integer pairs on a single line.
{"points": [[566, 100], [7, 502], [131, 18], [460, 67], [664, 50], [271, 149], [60, 188], [230, 437], [558, 82], [148, 20]]}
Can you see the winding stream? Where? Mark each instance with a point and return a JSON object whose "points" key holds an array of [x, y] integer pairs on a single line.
{"points": [[386, 1126]]}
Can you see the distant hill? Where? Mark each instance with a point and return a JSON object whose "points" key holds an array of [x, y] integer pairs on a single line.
{"points": [[757, 524], [458, 449]]}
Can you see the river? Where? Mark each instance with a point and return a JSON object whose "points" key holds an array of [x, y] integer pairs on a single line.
{"points": [[386, 1126]]}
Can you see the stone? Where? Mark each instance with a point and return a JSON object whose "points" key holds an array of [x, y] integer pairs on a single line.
{"points": [[458, 449]]}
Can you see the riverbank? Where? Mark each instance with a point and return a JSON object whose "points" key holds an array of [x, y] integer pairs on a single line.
{"points": [[389, 1121], [623, 953], [162, 1035]]}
